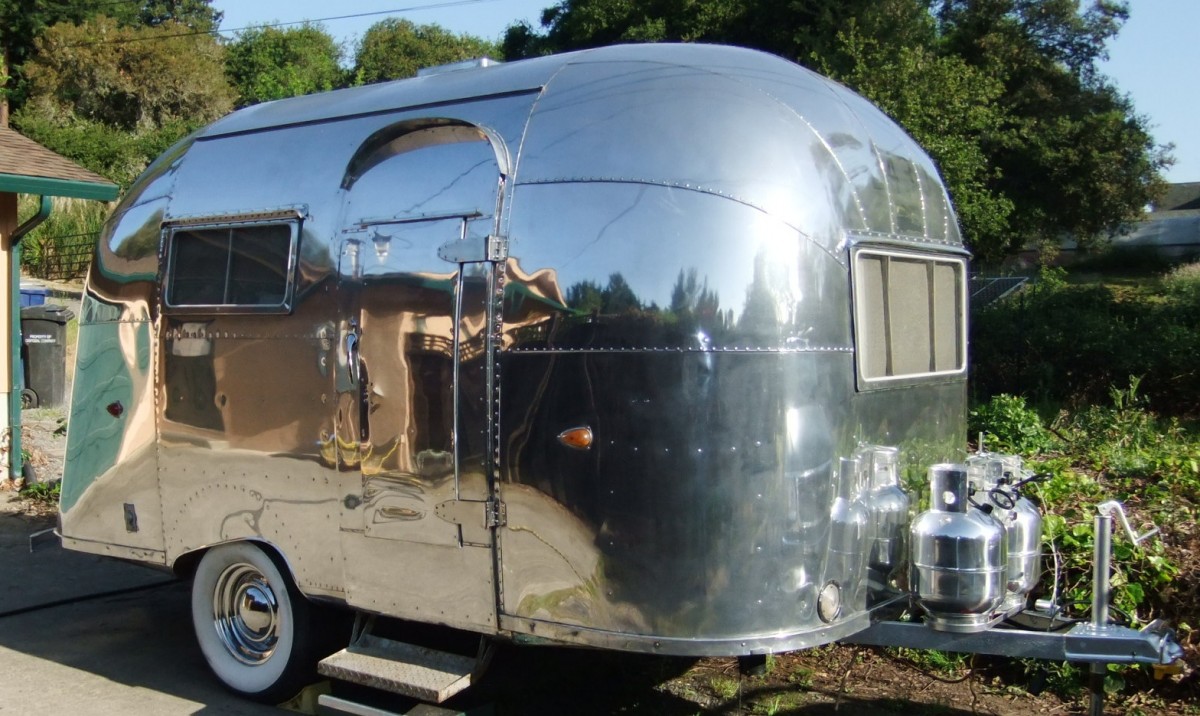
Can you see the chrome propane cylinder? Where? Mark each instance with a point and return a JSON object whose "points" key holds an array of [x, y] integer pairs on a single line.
{"points": [[958, 557], [999, 477], [888, 506], [849, 540]]}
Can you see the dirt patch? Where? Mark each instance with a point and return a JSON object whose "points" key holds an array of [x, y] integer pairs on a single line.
{"points": [[869, 680], [862, 681], [43, 442]]}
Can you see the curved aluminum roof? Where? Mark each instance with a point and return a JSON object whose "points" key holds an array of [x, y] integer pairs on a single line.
{"points": [[727, 121]]}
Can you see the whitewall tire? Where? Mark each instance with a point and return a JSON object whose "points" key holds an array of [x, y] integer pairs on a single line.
{"points": [[252, 624]]}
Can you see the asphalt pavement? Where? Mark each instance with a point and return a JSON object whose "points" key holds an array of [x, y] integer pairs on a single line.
{"points": [[86, 635]]}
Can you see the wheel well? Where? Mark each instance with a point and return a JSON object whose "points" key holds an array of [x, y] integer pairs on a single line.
{"points": [[185, 564]]}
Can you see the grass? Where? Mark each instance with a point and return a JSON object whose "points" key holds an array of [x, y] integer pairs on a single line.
{"points": [[942, 663], [725, 687], [801, 677], [779, 703]]}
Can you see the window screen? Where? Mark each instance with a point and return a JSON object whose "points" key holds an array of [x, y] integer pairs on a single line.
{"points": [[910, 315], [247, 266]]}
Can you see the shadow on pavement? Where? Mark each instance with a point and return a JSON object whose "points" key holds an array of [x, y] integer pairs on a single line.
{"points": [[128, 653]]}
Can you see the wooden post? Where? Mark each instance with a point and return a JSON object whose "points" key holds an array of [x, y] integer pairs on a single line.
{"points": [[4, 89], [8, 224]]}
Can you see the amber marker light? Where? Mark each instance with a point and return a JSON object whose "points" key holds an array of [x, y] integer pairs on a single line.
{"points": [[576, 438]]}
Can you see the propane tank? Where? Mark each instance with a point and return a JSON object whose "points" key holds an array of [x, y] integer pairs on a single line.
{"points": [[958, 557], [849, 540], [888, 507], [997, 477]]}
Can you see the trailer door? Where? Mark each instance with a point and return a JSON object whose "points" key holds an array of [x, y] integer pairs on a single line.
{"points": [[414, 402]]}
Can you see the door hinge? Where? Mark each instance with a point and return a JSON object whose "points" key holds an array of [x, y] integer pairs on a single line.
{"points": [[476, 519], [497, 247], [497, 513], [492, 247]]}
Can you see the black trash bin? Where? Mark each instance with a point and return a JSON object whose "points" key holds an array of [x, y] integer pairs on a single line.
{"points": [[44, 354]]}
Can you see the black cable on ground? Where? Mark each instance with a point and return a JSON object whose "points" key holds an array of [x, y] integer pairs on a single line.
{"points": [[85, 598]]}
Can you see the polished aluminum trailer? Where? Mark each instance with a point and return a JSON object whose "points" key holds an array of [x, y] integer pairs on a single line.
{"points": [[588, 349]]}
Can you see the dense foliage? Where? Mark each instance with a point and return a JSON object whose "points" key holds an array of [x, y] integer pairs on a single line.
{"points": [[1118, 450], [111, 91], [272, 63], [1004, 94], [128, 78], [395, 49], [112, 97], [22, 23], [1064, 343]]}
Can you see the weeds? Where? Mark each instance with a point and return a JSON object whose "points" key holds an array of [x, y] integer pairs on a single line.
{"points": [[44, 492], [942, 663], [1101, 452], [725, 687], [1009, 426], [801, 677], [1119, 449], [61, 247]]}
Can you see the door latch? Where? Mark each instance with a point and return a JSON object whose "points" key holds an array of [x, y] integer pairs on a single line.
{"points": [[492, 247]]}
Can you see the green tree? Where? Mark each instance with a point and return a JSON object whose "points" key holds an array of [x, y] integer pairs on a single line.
{"points": [[133, 78], [197, 15], [1079, 160], [952, 110], [269, 63], [115, 104], [394, 49], [794, 29], [22, 22], [1032, 140]]}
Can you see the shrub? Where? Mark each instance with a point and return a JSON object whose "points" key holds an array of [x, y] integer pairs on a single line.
{"points": [[1182, 285], [1009, 426], [1066, 344]]}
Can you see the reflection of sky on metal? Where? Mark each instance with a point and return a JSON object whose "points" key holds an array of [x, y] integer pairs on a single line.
{"points": [[637, 230]]}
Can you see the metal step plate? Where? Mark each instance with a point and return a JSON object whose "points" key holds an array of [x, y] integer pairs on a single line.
{"points": [[328, 705], [425, 674]]}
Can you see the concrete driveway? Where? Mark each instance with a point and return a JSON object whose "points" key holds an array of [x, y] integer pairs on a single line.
{"points": [[61, 652]]}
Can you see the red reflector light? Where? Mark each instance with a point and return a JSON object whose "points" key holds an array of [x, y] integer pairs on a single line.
{"points": [[576, 438]]}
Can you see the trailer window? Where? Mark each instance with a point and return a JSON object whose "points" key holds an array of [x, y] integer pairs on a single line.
{"points": [[245, 266], [910, 315]]}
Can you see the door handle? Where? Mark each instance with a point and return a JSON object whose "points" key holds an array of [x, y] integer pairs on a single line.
{"points": [[353, 362], [358, 374]]}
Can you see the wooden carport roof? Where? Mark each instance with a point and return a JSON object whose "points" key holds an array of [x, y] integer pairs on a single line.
{"points": [[27, 167]]}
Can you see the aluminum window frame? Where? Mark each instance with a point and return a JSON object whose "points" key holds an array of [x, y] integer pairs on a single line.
{"points": [[862, 341], [292, 220]]}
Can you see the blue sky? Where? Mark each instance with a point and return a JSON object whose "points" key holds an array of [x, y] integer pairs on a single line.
{"points": [[1156, 58]]}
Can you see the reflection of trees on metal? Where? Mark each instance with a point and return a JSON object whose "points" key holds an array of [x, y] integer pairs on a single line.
{"points": [[693, 304], [692, 296]]}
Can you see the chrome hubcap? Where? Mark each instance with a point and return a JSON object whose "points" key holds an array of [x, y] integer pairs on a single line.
{"points": [[246, 614]]}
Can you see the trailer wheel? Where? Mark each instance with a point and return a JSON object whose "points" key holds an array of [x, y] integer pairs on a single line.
{"points": [[253, 625]]}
